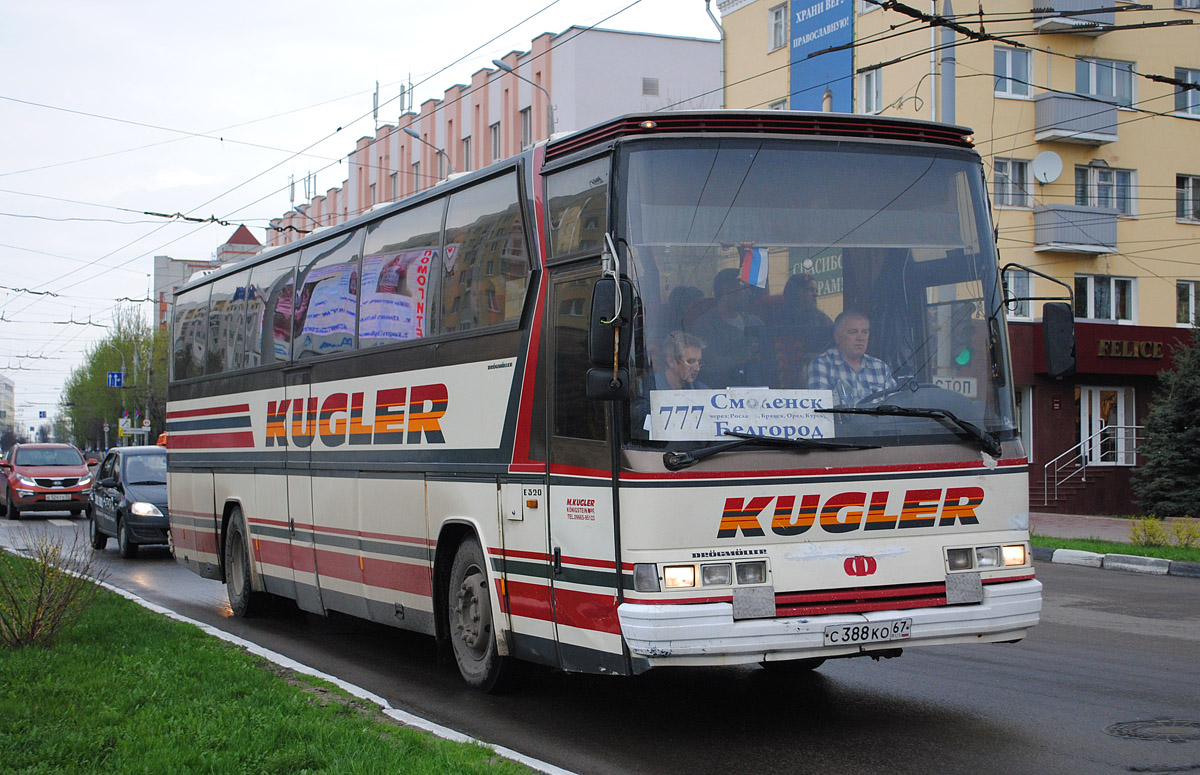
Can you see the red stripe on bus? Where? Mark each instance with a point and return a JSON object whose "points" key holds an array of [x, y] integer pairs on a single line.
{"points": [[210, 440], [400, 576], [529, 600], [243, 408], [587, 611]]}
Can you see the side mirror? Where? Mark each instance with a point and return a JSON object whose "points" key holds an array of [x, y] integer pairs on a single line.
{"points": [[1058, 338], [107, 482], [93, 462], [600, 332], [602, 387]]}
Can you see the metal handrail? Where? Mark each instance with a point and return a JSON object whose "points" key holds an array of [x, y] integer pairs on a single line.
{"points": [[1078, 460]]}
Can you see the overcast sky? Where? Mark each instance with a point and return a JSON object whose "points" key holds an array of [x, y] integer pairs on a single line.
{"points": [[116, 108]]}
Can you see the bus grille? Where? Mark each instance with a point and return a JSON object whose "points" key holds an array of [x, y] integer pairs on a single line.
{"points": [[860, 600]]}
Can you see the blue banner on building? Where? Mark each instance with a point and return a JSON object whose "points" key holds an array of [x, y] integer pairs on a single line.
{"points": [[816, 26]]}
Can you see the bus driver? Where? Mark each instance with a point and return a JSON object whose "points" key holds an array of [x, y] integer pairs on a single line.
{"points": [[846, 368]]}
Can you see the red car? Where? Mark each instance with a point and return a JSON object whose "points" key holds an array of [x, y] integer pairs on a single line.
{"points": [[45, 477]]}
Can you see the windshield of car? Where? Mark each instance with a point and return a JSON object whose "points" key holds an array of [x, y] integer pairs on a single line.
{"points": [[60, 456], [145, 469], [775, 278]]}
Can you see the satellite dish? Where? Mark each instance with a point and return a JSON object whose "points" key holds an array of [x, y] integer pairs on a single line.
{"points": [[1047, 167]]}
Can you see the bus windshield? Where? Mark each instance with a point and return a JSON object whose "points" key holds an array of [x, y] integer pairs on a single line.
{"points": [[814, 290]]}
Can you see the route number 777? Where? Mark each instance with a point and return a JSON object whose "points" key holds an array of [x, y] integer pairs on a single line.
{"points": [[681, 416]]}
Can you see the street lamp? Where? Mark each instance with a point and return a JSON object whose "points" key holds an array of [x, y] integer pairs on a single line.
{"points": [[549, 108], [417, 136]]}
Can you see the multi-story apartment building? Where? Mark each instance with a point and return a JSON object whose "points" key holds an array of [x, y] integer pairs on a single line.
{"points": [[1087, 118], [577, 78], [8, 404]]}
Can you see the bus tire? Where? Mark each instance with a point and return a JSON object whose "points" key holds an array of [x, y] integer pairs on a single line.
{"points": [[243, 600], [472, 631]]}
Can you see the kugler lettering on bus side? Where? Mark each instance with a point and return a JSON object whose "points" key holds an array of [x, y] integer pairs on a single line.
{"points": [[396, 416], [849, 511]]}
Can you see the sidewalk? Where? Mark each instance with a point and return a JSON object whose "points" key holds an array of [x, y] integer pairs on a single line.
{"points": [[1104, 529]]}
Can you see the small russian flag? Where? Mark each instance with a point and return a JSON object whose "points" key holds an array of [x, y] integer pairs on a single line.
{"points": [[754, 266]]}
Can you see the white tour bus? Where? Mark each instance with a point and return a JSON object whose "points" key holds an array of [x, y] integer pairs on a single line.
{"points": [[589, 408]]}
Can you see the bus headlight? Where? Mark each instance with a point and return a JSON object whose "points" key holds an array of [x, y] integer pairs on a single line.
{"points": [[645, 577], [958, 559], [679, 576], [752, 572], [1015, 555], [988, 556], [717, 575]]}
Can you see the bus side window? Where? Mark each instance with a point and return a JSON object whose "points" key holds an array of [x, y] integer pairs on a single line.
{"points": [[190, 333], [269, 311], [486, 263], [578, 209], [226, 323], [327, 307], [400, 263]]}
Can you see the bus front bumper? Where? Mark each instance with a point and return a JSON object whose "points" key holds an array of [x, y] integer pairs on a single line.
{"points": [[707, 634]]}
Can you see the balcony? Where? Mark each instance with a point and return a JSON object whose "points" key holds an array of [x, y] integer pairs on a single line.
{"points": [[1072, 16], [1075, 229], [1070, 118]]}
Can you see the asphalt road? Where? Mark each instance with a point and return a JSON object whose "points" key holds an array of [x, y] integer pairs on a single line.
{"points": [[1115, 656]]}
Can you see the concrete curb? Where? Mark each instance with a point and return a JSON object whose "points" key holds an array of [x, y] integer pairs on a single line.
{"points": [[1126, 562]]}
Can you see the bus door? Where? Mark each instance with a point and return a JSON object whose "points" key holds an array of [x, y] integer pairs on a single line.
{"points": [[584, 574], [301, 530]]}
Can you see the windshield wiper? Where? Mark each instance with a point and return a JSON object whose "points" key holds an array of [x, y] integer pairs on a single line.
{"points": [[966, 431], [677, 460]]}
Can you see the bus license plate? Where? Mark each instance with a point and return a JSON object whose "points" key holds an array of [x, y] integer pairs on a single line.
{"points": [[867, 632], [58, 496]]}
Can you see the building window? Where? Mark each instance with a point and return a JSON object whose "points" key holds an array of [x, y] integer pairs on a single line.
{"points": [[649, 87], [1185, 302], [871, 91], [1187, 101], [1012, 72], [1100, 297], [373, 199], [395, 192], [526, 127], [1011, 183], [1105, 79], [466, 154], [778, 31], [1187, 197], [417, 182], [1189, 5], [1017, 282], [778, 105], [495, 131], [1103, 186]]}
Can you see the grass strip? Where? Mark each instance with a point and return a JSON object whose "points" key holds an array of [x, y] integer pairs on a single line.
{"points": [[1173, 553], [125, 690]]}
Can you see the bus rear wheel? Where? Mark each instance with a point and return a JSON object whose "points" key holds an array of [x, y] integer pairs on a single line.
{"points": [[472, 628], [243, 600]]}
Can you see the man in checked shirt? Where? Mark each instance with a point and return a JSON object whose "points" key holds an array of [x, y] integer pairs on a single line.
{"points": [[846, 369]]}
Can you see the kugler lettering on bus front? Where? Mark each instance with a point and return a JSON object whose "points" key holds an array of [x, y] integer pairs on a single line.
{"points": [[395, 416], [791, 515]]}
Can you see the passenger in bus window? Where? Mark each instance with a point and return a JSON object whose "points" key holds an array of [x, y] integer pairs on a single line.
{"points": [[729, 330], [800, 303], [684, 356], [845, 368]]}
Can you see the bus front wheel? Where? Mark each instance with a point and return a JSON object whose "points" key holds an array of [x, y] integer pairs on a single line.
{"points": [[472, 628], [243, 600]]}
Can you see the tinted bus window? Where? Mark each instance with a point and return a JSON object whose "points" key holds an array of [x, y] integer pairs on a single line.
{"points": [[400, 262], [269, 311], [191, 333], [328, 297], [578, 208], [486, 264], [226, 324]]}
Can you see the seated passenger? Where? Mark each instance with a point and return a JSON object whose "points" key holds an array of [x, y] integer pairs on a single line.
{"points": [[845, 368], [733, 351], [683, 354], [800, 303]]}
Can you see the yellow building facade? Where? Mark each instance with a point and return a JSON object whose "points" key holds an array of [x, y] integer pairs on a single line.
{"points": [[1089, 129]]}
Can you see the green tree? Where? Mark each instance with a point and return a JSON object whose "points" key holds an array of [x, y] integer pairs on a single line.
{"points": [[1166, 484], [135, 347]]}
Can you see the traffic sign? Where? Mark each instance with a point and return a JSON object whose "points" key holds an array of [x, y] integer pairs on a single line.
{"points": [[146, 423], [116, 379]]}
